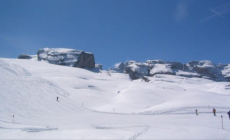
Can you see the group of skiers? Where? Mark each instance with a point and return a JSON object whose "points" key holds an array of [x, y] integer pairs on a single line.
{"points": [[214, 112]]}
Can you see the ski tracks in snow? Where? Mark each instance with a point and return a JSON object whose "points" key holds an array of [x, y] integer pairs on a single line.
{"points": [[50, 86], [54, 87], [147, 127], [13, 68], [137, 134]]}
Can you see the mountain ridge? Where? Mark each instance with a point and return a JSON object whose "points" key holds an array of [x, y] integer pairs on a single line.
{"points": [[137, 70], [201, 69]]}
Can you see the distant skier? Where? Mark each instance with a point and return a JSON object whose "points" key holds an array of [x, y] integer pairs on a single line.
{"points": [[57, 99], [214, 111], [229, 114], [196, 112]]}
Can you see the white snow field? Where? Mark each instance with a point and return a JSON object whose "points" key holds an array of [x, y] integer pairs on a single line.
{"points": [[107, 105]]}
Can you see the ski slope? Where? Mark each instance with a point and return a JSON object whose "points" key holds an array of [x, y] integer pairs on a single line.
{"points": [[107, 106]]}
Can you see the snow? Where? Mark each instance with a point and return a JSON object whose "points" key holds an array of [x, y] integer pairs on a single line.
{"points": [[187, 74], [139, 67], [34, 57], [155, 61], [161, 68], [107, 106], [61, 50], [61, 56], [226, 71], [206, 64]]}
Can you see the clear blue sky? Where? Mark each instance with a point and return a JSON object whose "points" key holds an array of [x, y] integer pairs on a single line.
{"points": [[119, 30]]}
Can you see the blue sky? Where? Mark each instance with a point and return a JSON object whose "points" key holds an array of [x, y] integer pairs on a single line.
{"points": [[119, 30]]}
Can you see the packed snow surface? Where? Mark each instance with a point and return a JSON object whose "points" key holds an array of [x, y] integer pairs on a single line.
{"points": [[107, 105]]}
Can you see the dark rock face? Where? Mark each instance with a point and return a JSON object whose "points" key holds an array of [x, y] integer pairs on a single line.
{"points": [[67, 57], [133, 74], [24, 56], [206, 69], [176, 65], [85, 60], [226, 72], [199, 69], [135, 69]]}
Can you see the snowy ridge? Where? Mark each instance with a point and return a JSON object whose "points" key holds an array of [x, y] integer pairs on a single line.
{"points": [[203, 69]]}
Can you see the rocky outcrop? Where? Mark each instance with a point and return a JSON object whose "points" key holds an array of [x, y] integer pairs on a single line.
{"points": [[24, 56], [135, 69], [200, 69], [206, 69], [226, 72], [67, 57], [85, 60]]}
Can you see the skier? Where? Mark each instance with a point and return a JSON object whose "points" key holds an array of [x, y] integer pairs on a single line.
{"points": [[196, 112], [214, 111], [57, 99], [229, 114]]}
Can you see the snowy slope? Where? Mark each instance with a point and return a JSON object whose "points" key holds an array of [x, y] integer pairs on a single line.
{"points": [[106, 105], [25, 95], [101, 92]]}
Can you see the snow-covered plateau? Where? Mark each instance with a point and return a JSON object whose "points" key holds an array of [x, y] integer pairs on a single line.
{"points": [[109, 105]]}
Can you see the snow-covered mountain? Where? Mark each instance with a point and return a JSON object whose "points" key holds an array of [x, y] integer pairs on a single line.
{"points": [[136, 70], [109, 105], [64, 56], [202, 69]]}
